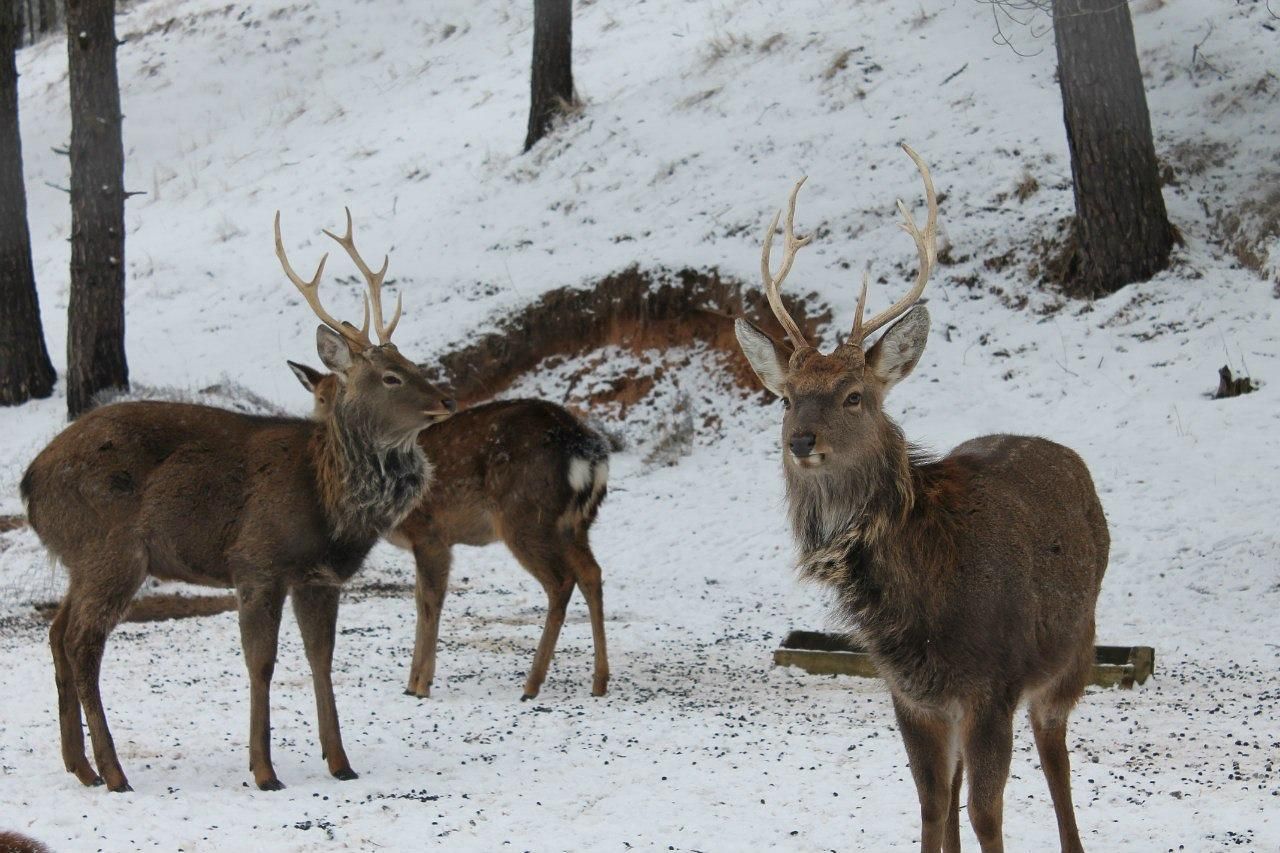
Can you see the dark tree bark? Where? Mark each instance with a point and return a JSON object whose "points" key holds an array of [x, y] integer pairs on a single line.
{"points": [[36, 18], [50, 14], [1122, 231], [552, 76], [95, 331], [25, 370]]}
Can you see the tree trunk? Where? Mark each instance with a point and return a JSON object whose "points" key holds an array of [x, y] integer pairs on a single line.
{"points": [[50, 15], [552, 76], [1122, 231], [95, 331], [25, 370]]}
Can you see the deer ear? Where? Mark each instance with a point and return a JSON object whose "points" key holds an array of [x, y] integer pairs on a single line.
{"points": [[898, 351], [768, 358], [308, 376], [334, 351]]}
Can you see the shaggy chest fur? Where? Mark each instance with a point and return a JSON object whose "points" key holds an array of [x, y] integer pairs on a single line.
{"points": [[367, 491], [896, 634], [844, 531]]}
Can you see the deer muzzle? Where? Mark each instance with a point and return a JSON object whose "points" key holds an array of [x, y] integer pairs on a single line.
{"points": [[806, 450]]}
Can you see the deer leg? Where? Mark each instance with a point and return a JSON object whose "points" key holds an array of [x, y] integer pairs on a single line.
{"points": [[69, 720], [432, 560], [988, 747], [260, 607], [97, 600], [930, 742], [1051, 743], [558, 595], [545, 560], [316, 609], [587, 574], [1049, 712], [951, 842]]}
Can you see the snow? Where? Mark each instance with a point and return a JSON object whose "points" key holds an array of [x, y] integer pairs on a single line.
{"points": [[698, 118]]}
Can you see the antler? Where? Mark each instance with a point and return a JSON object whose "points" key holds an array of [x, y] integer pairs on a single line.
{"points": [[311, 292], [793, 245], [374, 281], [926, 246]]}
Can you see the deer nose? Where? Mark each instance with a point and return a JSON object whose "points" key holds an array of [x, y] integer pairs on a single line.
{"points": [[450, 404], [802, 443]]}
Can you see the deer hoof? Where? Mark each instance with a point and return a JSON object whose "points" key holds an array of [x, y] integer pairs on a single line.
{"points": [[120, 788], [271, 785], [346, 774], [85, 774]]}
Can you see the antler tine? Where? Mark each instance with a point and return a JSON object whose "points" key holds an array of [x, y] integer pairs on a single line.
{"points": [[310, 291], [372, 279], [857, 334], [926, 247], [771, 284]]}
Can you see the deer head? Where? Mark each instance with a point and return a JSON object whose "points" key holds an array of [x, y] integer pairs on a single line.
{"points": [[373, 384], [323, 387], [833, 403]]}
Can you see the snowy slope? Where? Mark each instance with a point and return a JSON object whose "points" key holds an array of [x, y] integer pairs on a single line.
{"points": [[698, 118]]}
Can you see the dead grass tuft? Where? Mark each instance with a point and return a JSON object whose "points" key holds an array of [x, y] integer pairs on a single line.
{"points": [[838, 63]]}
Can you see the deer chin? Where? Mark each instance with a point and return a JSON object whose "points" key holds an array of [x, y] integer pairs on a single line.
{"points": [[813, 460]]}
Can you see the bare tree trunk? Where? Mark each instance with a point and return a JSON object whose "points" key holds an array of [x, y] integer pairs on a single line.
{"points": [[25, 370], [552, 74], [1122, 229], [50, 15], [95, 332]]}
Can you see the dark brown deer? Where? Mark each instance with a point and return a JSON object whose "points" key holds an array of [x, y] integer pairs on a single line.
{"points": [[523, 472], [12, 842], [971, 578], [270, 506]]}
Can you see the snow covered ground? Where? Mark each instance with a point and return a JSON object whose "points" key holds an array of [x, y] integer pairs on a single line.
{"points": [[698, 117]]}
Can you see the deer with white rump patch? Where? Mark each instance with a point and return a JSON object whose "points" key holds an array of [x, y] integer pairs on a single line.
{"points": [[524, 472], [972, 578], [270, 506]]}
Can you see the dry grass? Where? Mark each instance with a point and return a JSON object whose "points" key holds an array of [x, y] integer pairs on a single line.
{"points": [[697, 98], [1027, 187], [838, 63]]}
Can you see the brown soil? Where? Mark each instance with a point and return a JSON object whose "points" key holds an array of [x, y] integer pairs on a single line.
{"points": [[630, 309], [172, 605], [157, 608], [12, 522]]}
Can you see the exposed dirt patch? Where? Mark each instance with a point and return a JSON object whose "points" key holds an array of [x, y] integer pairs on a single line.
{"points": [[12, 522], [634, 310], [162, 606]]}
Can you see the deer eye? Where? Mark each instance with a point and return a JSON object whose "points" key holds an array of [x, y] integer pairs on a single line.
{"points": [[391, 379], [853, 399], [786, 402]]}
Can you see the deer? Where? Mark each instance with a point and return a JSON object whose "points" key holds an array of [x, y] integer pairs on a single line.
{"points": [[270, 506], [13, 842], [971, 578], [524, 472]]}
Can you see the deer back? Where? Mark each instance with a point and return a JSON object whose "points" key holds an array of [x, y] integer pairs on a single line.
{"points": [[993, 553], [498, 468], [204, 493]]}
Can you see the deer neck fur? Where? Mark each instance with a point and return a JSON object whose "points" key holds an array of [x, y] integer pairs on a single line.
{"points": [[368, 484], [869, 500], [887, 540]]}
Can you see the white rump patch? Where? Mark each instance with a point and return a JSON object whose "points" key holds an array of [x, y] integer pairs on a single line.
{"points": [[601, 476], [579, 474]]}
